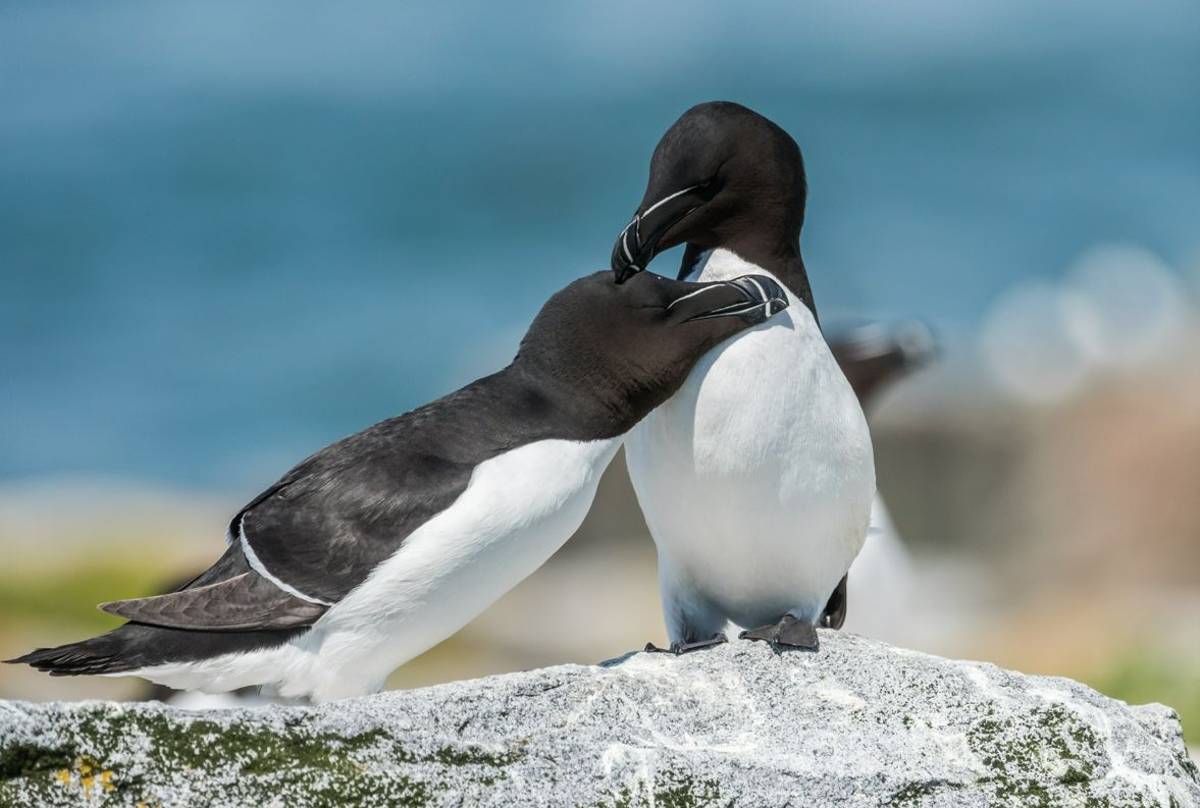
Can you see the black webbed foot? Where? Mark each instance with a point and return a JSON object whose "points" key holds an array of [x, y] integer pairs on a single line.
{"points": [[788, 632], [678, 648]]}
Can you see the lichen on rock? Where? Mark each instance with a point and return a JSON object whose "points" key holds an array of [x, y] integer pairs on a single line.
{"points": [[858, 723]]}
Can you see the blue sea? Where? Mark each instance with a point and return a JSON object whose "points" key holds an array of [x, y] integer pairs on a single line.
{"points": [[231, 232]]}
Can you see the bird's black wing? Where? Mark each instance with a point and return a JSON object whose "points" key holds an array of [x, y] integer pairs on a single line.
{"points": [[307, 541], [246, 602], [303, 544], [228, 596], [322, 534], [323, 528]]}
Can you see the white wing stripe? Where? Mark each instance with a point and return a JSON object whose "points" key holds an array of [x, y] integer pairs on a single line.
{"points": [[257, 566]]}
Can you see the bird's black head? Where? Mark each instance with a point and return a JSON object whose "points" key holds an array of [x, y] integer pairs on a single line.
{"points": [[722, 176], [630, 346]]}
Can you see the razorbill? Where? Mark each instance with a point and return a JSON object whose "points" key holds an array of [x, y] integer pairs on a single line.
{"points": [[874, 357], [756, 478], [386, 542]]}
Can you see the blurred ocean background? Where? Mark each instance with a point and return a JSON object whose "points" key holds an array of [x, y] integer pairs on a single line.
{"points": [[232, 232]]}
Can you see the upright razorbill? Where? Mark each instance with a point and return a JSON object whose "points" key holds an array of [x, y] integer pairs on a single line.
{"points": [[383, 544], [756, 478]]}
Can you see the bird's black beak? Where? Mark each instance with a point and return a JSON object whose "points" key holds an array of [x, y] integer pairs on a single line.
{"points": [[642, 238], [753, 298]]}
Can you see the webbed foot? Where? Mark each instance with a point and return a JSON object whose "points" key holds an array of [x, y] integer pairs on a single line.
{"points": [[788, 632], [678, 648]]}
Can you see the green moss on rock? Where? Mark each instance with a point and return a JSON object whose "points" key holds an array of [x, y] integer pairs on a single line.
{"points": [[669, 790], [1027, 753], [27, 760], [140, 751]]}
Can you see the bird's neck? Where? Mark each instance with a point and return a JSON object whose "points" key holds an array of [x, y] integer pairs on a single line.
{"points": [[590, 394], [791, 273]]}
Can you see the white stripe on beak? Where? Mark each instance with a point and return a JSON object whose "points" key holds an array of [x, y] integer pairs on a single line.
{"points": [[666, 199], [690, 295]]}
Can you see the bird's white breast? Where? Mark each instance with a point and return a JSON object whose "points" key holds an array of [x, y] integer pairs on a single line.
{"points": [[756, 477]]}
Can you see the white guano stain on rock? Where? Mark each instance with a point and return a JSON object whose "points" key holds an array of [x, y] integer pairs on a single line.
{"points": [[856, 724]]}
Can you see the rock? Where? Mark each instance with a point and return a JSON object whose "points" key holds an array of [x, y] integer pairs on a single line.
{"points": [[858, 723]]}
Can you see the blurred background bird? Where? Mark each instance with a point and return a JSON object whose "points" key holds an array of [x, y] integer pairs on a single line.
{"points": [[190, 194], [874, 357]]}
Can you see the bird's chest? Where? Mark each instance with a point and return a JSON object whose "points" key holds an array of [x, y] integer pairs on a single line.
{"points": [[765, 444], [768, 413]]}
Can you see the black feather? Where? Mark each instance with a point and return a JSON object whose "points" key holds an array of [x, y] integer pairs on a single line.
{"points": [[246, 602], [134, 646]]}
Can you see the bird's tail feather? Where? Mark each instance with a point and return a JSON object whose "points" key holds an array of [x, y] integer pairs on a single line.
{"points": [[134, 646], [101, 654]]}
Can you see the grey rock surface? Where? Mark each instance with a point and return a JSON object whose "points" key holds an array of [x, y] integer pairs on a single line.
{"points": [[858, 723]]}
